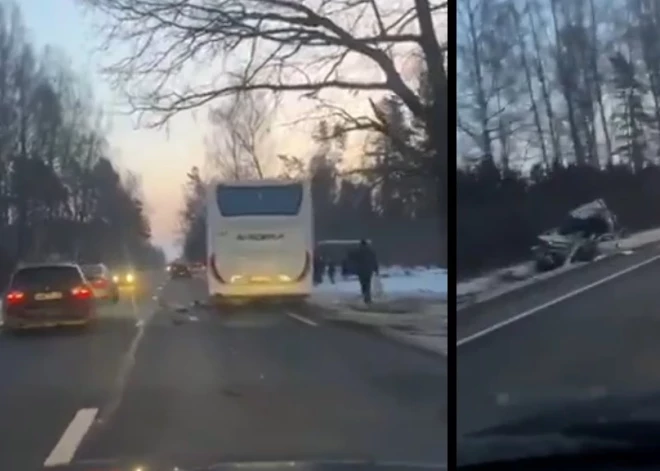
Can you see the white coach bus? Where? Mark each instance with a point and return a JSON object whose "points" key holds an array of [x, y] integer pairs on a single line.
{"points": [[260, 239]]}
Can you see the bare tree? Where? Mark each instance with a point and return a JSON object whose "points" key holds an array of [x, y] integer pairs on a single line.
{"points": [[279, 35], [277, 45], [59, 193], [236, 147], [303, 46]]}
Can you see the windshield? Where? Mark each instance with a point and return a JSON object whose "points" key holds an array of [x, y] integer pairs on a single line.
{"points": [[140, 137], [46, 276], [92, 271], [278, 200]]}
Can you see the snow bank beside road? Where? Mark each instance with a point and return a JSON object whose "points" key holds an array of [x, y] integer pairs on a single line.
{"points": [[397, 282], [424, 327], [516, 276], [633, 241], [412, 310]]}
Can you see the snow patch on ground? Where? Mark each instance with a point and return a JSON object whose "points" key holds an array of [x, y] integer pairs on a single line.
{"points": [[412, 308], [396, 281]]}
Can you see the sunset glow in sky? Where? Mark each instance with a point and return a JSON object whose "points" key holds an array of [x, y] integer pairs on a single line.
{"points": [[161, 159]]}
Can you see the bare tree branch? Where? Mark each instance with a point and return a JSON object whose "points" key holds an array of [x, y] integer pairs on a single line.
{"points": [[236, 147], [279, 36], [299, 46]]}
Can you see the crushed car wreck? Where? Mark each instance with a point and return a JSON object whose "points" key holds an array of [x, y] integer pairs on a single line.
{"points": [[578, 238]]}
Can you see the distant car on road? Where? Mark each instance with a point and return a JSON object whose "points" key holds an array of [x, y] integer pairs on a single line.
{"points": [[47, 295], [198, 266], [125, 277], [179, 270], [101, 280]]}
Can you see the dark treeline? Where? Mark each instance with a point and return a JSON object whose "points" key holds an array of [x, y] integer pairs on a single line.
{"points": [[395, 210], [388, 198], [558, 104], [499, 216], [59, 191]]}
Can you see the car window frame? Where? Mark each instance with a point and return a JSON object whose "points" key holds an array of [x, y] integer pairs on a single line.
{"points": [[12, 281]]}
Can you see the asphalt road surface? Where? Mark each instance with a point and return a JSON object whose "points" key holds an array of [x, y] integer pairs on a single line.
{"points": [[155, 380], [603, 340]]}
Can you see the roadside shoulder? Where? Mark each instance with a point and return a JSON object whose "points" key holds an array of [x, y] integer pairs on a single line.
{"points": [[480, 316], [422, 324]]}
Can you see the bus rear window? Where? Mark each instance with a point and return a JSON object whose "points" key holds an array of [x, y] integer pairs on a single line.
{"points": [[276, 200]]}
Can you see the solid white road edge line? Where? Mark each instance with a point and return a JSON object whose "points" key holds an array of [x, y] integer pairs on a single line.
{"points": [[302, 319], [552, 302], [65, 449]]}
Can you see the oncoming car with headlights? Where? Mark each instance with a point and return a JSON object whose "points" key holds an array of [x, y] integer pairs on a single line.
{"points": [[125, 278]]}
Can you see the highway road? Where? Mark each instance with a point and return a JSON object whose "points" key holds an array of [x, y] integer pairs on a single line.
{"points": [[156, 382], [591, 333]]}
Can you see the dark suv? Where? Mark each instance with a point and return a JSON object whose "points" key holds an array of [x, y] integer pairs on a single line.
{"points": [[179, 270], [48, 295]]}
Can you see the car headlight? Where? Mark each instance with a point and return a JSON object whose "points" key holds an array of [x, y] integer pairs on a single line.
{"points": [[130, 278]]}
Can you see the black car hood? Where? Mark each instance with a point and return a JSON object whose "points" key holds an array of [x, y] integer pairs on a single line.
{"points": [[566, 426], [338, 465], [556, 415], [502, 448]]}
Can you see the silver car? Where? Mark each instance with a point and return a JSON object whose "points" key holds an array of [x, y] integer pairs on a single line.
{"points": [[101, 281]]}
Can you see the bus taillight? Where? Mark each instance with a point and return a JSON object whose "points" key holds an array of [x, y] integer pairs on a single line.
{"points": [[214, 269], [306, 267]]}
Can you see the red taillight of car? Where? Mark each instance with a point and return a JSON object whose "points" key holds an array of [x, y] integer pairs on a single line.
{"points": [[81, 292], [100, 283], [214, 269], [306, 267], [15, 297]]}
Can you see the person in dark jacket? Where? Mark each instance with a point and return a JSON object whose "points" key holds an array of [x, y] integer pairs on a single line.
{"points": [[7, 266], [366, 265], [332, 270], [318, 269]]}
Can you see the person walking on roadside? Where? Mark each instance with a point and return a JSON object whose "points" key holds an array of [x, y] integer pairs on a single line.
{"points": [[332, 270], [318, 269], [366, 266]]}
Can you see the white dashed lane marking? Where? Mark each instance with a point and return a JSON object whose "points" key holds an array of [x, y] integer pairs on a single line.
{"points": [[66, 447], [530, 312], [302, 319]]}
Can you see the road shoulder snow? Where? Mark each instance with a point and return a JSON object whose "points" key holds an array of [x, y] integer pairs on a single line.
{"points": [[506, 280], [423, 326], [411, 308]]}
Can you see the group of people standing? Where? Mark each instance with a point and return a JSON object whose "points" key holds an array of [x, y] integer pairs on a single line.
{"points": [[360, 261]]}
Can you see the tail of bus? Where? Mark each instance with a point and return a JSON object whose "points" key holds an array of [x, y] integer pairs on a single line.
{"points": [[259, 239]]}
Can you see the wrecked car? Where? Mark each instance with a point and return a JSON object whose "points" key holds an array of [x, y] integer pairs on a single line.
{"points": [[577, 239]]}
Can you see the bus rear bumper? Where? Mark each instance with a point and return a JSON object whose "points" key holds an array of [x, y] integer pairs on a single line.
{"points": [[266, 292]]}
